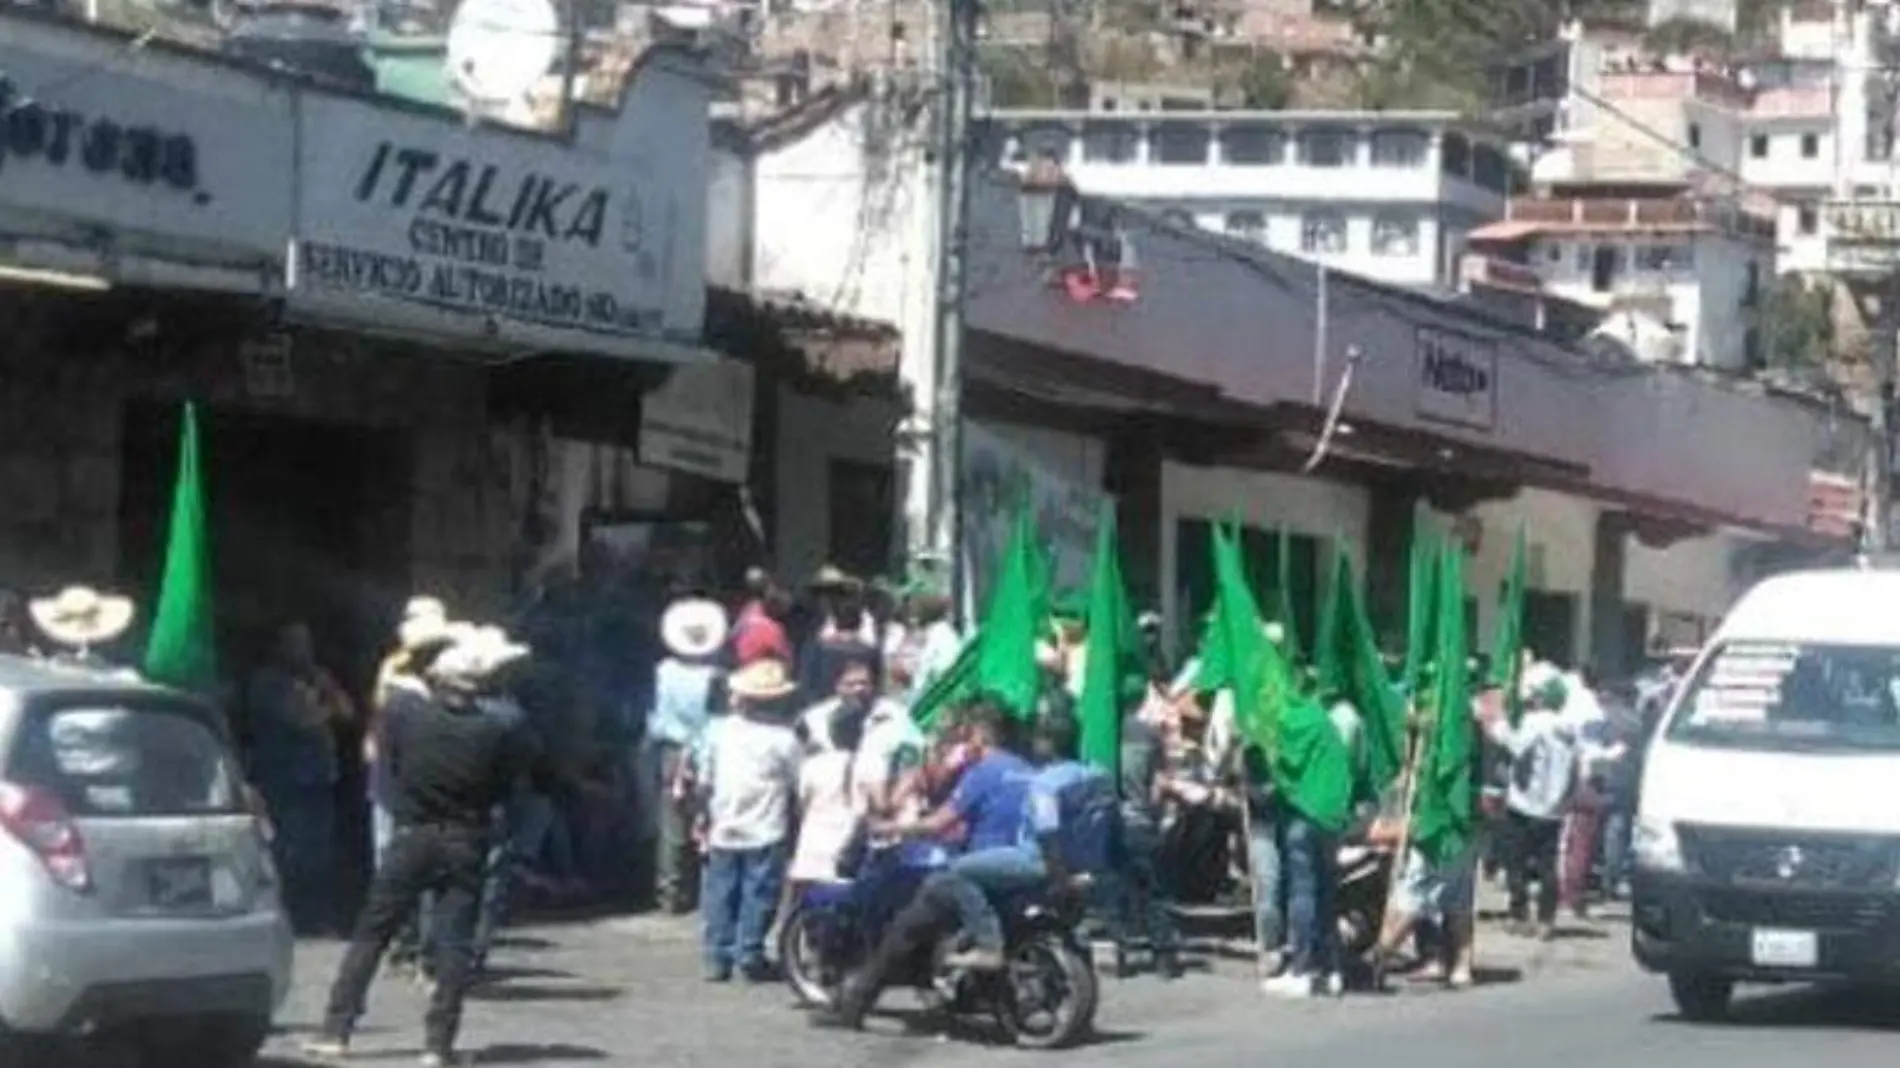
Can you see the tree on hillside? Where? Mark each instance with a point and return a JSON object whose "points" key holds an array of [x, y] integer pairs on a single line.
{"points": [[1263, 82], [1796, 321], [1689, 36]]}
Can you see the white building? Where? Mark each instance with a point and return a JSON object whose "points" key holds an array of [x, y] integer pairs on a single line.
{"points": [[1387, 195], [1678, 280]]}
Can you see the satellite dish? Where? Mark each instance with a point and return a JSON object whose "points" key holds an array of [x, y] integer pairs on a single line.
{"points": [[499, 49]]}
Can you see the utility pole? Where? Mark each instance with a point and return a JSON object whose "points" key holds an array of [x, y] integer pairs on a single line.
{"points": [[930, 445]]}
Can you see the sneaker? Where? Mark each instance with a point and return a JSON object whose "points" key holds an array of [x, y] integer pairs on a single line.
{"points": [[330, 1047], [1288, 985], [976, 960], [437, 1059], [1335, 985]]}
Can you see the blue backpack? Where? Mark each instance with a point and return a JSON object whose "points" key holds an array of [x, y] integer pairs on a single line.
{"points": [[1088, 821]]}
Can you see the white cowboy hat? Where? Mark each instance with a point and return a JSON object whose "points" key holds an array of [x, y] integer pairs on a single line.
{"points": [[82, 616], [475, 653], [761, 680], [425, 623], [693, 628]]}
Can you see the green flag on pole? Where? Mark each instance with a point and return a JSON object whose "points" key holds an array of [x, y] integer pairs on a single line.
{"points": [[1289, 620], [1421, 611], [1000, 658], [1444, 811], [182, 651], [1507, 646], [1113, 652], [1349, 666]]}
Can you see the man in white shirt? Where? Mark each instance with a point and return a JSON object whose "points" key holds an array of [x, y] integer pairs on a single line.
{"points": [[748, 776], [1543, 755]]}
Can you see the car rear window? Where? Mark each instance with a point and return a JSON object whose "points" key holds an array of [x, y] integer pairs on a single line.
{"points": [[137, 757]]}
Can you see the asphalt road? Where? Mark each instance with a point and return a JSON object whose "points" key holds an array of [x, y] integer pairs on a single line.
{"points": [[628, 993]]}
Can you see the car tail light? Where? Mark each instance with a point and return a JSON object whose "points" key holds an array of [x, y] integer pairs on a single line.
{"points": [[38, 821], [254, 803]]}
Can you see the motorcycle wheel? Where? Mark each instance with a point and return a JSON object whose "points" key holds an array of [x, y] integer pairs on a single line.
{"points": [[1047, 998], [801, 957]]}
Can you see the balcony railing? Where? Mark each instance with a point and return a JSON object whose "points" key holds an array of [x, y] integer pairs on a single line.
{"points": [[1639, 214]]}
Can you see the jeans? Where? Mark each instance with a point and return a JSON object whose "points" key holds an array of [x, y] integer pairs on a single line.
{"points": [[541, 834], [976, 876], [1616, 850], [1263, 860], [448, 861], [674, 858], [1308, 855], [1533, 857], [304, 818], [738, 900], [498, 868], [1141, 890]]}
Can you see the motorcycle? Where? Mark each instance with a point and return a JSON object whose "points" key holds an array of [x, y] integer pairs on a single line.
{"points": [[1045, 998], [1363, 875]]}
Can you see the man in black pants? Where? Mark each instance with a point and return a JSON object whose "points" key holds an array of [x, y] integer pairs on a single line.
{"points": [[451, 763]]}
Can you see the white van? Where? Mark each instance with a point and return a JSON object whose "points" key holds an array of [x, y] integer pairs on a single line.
{"points": [[1767, 837]]}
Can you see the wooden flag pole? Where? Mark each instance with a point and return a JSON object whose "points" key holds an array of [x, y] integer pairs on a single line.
{"points": [[1414, 751]]}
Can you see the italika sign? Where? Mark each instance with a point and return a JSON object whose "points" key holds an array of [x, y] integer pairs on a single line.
{"points": [[424, 225]]}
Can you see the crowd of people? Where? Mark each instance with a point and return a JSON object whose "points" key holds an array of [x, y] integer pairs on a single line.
{"points": [[771, 757]]}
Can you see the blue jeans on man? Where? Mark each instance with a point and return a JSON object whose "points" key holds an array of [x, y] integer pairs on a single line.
{"points": [[974, 878], [1308, 852], [1263, 860], [738, 898]]}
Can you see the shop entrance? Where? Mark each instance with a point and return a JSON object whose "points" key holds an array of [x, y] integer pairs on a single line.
{"points": [[308, 521]]}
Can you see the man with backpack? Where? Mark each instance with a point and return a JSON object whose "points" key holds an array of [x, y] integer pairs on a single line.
{"points": [[1543, 777]]}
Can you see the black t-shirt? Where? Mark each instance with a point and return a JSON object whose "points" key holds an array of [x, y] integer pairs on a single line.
{"points": [[450, 766]]}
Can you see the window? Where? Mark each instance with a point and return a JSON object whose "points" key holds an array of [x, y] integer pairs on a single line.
{"points": [[1251, 225], [1178, 217], [139, 757], [1810, 145], [1110, 143], [1660, 259], [1554, 253], [1455, 155], [1181, 144], [1395, 233], [1758, 146], [1806, 220], [1040, 142], [1323, 232], [1399, 148], [1793, 697], [1254, 145], [1326, 148], [862, 506], [1695, 135], [1751, 285]]}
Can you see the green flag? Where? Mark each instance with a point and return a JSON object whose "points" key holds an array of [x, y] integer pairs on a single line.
{"points": [[182, 651], [1507, 646], [1113, 652], [1349, 666], [1312, 765], [1293, 648], [1018, 614], [1421, 611], [1000, 658], [1234, 653], [1443, 814], [957, 683]]}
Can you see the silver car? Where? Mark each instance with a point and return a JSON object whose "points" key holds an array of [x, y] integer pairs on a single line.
{"points": [[137, 895]]}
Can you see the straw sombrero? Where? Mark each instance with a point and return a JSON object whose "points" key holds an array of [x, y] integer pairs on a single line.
{"points": [[81, 616]]}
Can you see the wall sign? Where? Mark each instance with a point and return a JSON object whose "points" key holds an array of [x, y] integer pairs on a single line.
{"points": [[139, 149], [427, 224], [1457, 379], [700, 421], [997, 476]]}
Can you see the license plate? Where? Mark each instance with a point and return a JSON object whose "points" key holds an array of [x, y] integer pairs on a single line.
{"points": [[1785, 949], [179, 883]]}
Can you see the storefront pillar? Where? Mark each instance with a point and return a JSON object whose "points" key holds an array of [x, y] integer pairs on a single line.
{"points": [[1392, 517], [1133, 475], [1609, 552]]}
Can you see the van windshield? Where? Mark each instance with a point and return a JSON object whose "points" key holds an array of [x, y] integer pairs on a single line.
{"points": [[1760, 695]]}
